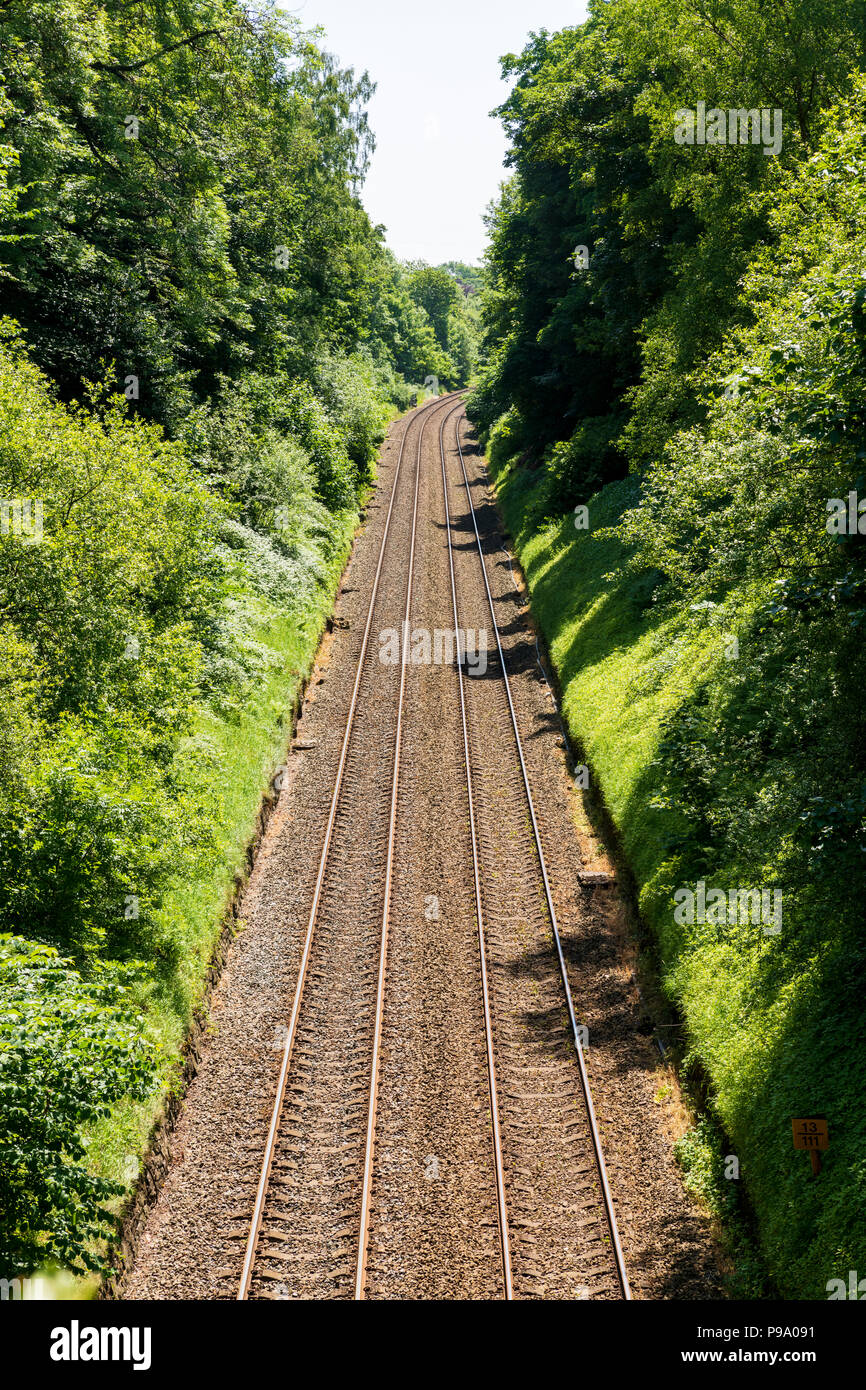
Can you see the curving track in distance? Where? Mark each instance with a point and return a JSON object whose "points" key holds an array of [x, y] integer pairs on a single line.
{"points": [[315, 1209]]}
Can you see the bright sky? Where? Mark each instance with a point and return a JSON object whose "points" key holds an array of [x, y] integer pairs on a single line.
{"points": [[438, 159]]}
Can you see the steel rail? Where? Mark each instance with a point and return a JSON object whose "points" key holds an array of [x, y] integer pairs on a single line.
{"points": [[501, 1203], [270, 1144], [596, 1137], [370, 1145]]}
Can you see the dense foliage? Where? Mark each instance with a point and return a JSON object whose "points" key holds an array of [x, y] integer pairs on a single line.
{"points": [[203, 340], [77, 1042], [676, 339]]}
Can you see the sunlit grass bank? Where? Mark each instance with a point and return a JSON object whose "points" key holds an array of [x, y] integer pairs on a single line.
{"points": [[772, 1019]]}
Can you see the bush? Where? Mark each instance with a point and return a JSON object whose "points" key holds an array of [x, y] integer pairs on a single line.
{"points": [[579, 466], [353, 393], [69, 1049], [101, 656]]}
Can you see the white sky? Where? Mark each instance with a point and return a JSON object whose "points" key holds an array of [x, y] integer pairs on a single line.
{"points": [[438, 159]]}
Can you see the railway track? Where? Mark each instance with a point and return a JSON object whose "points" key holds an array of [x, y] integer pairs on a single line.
{"points": [[315, 1210], [513, 1053], [327, 1088]]}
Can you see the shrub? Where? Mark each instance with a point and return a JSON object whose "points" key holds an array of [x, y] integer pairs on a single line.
{"points": [[69, 1049]]}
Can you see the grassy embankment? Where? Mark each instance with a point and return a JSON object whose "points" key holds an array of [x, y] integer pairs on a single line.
{"points": [[244, 752], [767, 1020]]}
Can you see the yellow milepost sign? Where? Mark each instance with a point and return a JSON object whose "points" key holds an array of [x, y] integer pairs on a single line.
{"points": [[810, 1133]]}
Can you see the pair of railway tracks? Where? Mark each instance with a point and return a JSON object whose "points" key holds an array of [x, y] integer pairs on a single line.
{"points": [[293, 1113]]}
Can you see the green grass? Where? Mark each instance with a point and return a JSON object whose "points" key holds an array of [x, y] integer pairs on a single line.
{"points": [[773, 1025]]}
